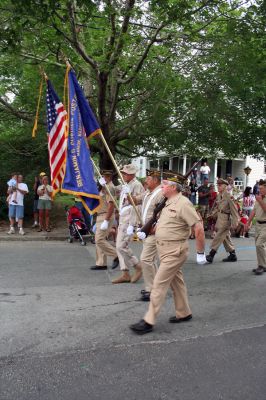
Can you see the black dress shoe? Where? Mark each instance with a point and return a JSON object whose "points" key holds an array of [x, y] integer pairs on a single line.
{"points": [[141, 327], [99, 268], [175, 320], [231, 258], [145, 296], [260, 270], [260, 266], [115, 263]]}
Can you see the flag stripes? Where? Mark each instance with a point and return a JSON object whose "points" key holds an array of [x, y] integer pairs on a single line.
{"points": [[57, 141]]}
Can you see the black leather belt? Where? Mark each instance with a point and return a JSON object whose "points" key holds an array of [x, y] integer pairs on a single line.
{"points": [[261, 222], [223, 212]]}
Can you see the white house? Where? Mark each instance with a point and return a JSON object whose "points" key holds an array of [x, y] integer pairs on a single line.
{"points": [[220, 167]]}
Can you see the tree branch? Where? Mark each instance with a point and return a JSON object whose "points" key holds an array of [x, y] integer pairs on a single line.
{"points": [[79, 46], [41, 59], [120, 43], [19, 114], [144, 55]]}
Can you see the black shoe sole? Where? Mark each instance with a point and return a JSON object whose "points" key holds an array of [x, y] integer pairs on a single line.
{"points": [[144, 299], [179, 320], [140, 332], [98, 269]]}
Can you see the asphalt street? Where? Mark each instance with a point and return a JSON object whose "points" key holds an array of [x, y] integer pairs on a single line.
{"points": [[64, 329]]}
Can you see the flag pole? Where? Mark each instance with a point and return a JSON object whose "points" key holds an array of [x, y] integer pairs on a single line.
{"points": [[112, 157], [120, 175], [106, 186]]}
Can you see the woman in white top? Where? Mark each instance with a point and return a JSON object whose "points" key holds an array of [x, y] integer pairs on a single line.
{"points": [[204, 172], [248, 200], [44, 204]]}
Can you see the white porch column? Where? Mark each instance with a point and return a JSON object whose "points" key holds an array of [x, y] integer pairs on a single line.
{"points": [[215, 172], [158, 164], [170, 163], [184, 165], [246, 176]]}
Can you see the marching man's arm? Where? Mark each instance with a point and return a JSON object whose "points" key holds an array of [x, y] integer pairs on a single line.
{"points": [[200, 237]]}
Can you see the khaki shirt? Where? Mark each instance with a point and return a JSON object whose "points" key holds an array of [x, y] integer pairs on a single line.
{"points": [[225, 208], [106, 198], [176, 219], [127, 212], [150, 200], [260, 214]]}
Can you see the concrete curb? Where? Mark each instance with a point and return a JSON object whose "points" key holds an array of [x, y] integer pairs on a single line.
{"points": [[34, 237], [27, 238]]}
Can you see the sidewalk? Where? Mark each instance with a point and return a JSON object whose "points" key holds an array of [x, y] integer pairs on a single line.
{"points": [[57, 233]]}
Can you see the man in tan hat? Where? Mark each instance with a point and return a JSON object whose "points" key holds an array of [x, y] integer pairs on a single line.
{"points": [[104, 223], [127, 224], [224, 210], [149, 200], [259, 212], [172, 233]]}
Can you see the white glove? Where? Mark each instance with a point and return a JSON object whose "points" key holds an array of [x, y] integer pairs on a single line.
{"points": [[94, 229], [130, 230], [126, 189], [201, 259], [102, 181], [104, 225], [141, 235]]}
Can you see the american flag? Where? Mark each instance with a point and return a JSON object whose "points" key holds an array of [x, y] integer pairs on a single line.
{"points": [[57, 142]]}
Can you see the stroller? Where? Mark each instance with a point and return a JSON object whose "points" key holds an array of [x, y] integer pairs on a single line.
{"points": [[76, 225]]}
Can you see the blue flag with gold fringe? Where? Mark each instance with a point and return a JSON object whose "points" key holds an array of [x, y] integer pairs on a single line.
{"points": [[89, 121], [79, 173]]}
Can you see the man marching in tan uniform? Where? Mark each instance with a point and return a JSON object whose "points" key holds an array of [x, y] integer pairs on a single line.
{"points": [[149, 200], [127, 223], [260, 236], [104, 224], [172, 233], [225, 210]]}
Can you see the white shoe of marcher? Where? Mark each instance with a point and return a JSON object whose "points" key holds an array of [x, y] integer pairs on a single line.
{"points": [[21, 232], [11, 231]]}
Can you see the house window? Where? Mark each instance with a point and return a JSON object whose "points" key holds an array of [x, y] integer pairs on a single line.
{"points": [[264, 167]]}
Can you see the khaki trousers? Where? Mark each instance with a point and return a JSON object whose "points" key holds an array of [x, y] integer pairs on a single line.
{"points": [[172, 256], [260, 243], [124, 253], [147, 259], [223, 234], [103, 247]]}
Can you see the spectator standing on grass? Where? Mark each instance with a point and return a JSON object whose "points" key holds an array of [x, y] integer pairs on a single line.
{"points": [[204, 172], [16, 208], [37, 183], [44, 204]]}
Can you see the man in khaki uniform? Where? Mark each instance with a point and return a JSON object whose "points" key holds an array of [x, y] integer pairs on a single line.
{"points": [[127, 223], [104, 224], [149, 200], [224, 209], [260, 234], [172, 233]]}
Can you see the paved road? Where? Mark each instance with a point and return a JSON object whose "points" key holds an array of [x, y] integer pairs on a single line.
{"points": [[64, 330]]}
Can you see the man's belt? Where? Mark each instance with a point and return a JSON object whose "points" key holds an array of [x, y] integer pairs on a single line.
{"points": [[223, 212], [261, 222]]}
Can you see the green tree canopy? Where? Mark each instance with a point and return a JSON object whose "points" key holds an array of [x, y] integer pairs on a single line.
{"points": [[164, 74]]}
